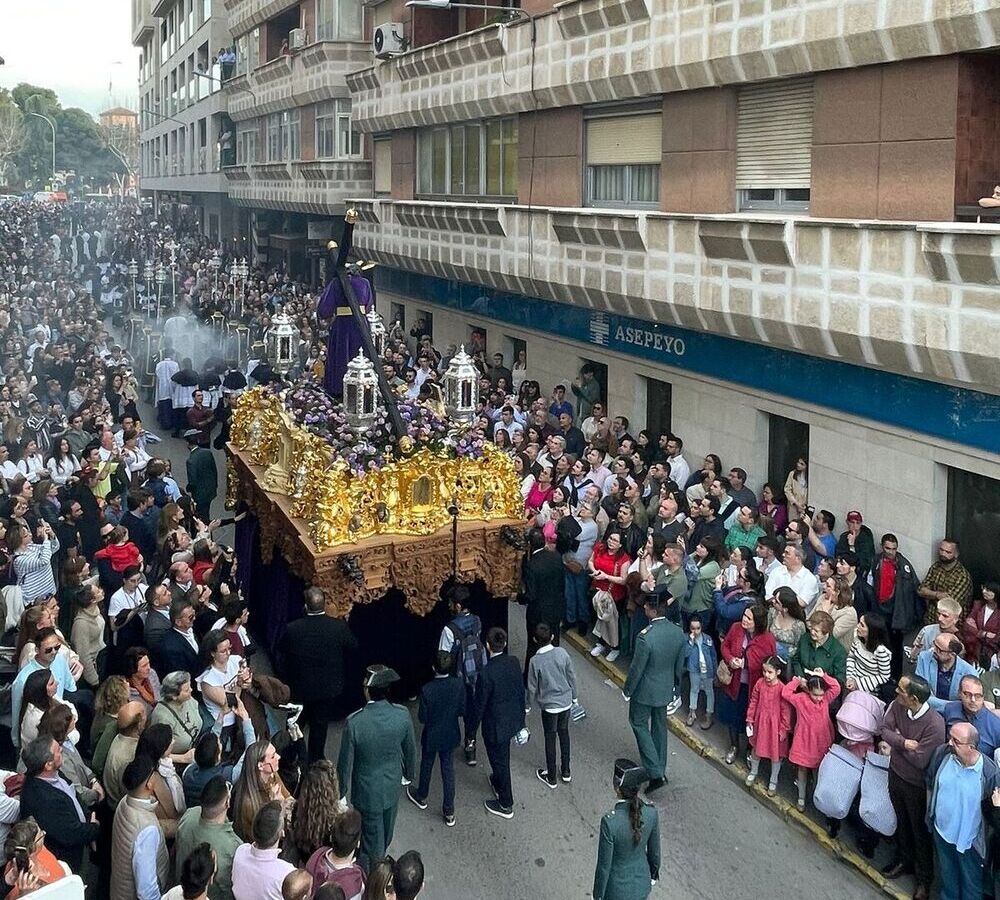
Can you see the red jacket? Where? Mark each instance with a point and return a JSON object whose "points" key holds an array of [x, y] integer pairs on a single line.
{"points": [[761, 646], [981, 618]]}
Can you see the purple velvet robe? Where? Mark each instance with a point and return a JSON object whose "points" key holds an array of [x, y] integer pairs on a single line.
{"points": [[344, 339]]}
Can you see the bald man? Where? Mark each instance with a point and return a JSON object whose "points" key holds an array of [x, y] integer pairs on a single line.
{"points": [[131, 722], [297, 885]]}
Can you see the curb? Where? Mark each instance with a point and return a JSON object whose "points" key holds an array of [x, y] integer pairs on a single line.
{"points": [[737, 773]]}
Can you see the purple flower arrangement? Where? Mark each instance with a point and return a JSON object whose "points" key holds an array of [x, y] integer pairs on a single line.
{"points": [[365, 451]]}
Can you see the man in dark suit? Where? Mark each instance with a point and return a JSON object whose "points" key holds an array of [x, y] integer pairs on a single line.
{"points": [[48, 797], [178, 651], [544, 590], [314, 652], [500, 708], [202, 475], [442, 704]]}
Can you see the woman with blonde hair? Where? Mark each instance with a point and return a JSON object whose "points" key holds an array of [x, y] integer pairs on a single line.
{"points": [[259, 783]]}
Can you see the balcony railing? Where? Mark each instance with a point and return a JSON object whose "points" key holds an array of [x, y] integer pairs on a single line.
{"points": [[908, 297], [320, 186]]}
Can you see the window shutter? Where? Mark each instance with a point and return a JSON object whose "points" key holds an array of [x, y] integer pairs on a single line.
{"points": [[774, 135], [381, 15], [621, 140], [383, 167]]}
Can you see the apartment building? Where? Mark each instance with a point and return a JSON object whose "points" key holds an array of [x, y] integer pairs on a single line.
{"points": [[185, 135], [298, 155], [756, 219]]}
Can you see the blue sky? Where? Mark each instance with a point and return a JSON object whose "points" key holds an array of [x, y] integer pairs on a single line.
{"points": [[75, 47]]}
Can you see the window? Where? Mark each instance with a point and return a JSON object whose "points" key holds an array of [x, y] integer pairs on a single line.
{"points": [[241, 55], [973, 520], [338, 20], [253, 49], [274, 137], [774, 145], [246, 144], [206, 10], [335, 136], [787, 442], [473, 159], [290, 143], [283, 136], [383, 166], [623, 156], [397, 312]]}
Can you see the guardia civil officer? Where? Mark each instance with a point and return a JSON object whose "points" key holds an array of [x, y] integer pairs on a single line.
{"points": [[654, 678], [628, 851], [377, 750]]}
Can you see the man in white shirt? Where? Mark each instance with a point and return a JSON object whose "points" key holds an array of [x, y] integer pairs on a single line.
{"points": [[795, 575], [680, 471], [166, 368]]}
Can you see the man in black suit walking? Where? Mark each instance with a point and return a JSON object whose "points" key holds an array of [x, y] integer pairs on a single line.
{"points": [[52, 802], [313, 654], [544, 590], [500, 708], [442, 704], [178, 651]]}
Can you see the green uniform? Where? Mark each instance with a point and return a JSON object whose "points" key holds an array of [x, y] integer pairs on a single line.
{"points": [[626, 869], [653, 680], [376, 750]]}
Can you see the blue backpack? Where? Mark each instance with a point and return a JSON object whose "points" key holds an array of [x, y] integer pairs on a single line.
{"points": [[467, 649]]}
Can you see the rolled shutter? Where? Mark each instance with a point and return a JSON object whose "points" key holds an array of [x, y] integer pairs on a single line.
{"points": [[621, 140], [774, 135], [383, 166]]}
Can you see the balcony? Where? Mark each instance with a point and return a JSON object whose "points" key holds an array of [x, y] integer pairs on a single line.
{"points": [[320, 186], [197, 172], [247, 14], [318, 72], [913, 298], [594, 51], [142, 22]]}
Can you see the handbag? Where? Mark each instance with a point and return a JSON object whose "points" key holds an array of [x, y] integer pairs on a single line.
{"points": [[723, 674]]}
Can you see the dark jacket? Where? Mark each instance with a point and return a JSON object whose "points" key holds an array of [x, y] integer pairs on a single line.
{"points": [[65, 835], [442, 704], [175, 654], [905, 609], [576, 443], [544, 588], [202, 475], [314, 651], [500, 699], [142, 535], [864, 547]]}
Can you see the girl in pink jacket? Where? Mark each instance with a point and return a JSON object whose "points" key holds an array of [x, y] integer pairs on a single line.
{"points": [[814, 732], [769, 719]]}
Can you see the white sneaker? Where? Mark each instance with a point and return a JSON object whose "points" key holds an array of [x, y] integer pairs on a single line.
{"points": [[673, 706], [612, 656], [597, 650]]}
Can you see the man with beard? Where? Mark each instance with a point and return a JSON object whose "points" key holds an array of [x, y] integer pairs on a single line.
{"points": [[947, 577]]}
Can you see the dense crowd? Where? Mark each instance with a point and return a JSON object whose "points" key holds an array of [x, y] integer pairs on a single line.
{"points": [[151, 756]]}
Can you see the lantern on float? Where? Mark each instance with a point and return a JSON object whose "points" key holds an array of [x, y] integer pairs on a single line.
{"points": [[460, 385], [376, 327], [280, 344], [361, 393]]}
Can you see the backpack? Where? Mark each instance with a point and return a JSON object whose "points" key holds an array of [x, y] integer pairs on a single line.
{"points": [[467, 649]]}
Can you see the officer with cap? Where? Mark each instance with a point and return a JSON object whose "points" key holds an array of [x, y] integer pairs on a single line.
{"points": [[377, 750], [628, 852], [653, 680]]}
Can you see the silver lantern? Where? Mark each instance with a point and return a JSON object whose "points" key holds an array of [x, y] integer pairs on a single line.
{"points": [[280, 343], [361, 392], [461, 382]]}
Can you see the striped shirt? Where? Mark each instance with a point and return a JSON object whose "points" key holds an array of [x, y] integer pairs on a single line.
{"points": [[868, 669], [33, 568]]}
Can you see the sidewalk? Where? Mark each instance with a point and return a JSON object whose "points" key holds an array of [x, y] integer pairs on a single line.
{"points": [[712, 745]]}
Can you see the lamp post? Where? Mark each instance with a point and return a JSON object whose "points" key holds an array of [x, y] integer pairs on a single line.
{"points": [[161, 277], [53, 127], [133, 270]]}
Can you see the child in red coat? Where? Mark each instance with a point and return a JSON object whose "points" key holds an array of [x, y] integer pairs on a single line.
{"points": [[769, 719], [814, 732], [120, 551]]}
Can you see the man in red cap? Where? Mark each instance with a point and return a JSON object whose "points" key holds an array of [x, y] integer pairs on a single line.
{"points": [[860, 539]]}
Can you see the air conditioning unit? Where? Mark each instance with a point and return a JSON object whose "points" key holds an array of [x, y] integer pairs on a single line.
{"points": [[388, 40], [296, 39]]}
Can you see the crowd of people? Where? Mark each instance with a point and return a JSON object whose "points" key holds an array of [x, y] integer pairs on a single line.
{"points": [[154, 759]]}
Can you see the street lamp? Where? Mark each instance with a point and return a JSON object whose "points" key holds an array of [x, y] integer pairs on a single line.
{"points": [[53, 127]]}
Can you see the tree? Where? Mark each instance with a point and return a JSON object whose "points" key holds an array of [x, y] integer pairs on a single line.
{"points": [[11, 136], [122, 142], [34, 159]]}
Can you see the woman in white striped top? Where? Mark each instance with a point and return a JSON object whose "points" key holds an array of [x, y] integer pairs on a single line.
{"points": [[868, 660]]}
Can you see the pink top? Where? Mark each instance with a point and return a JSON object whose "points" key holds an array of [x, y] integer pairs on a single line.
{"points": [[814, 732], [257, 874], [771, 718]]}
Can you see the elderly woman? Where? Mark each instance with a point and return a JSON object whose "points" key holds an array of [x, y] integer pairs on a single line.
{"points": [[143, 682], [178, 709]]}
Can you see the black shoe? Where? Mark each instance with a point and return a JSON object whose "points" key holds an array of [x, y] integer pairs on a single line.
{"points": [[494, 808], [449, 820], [543, 776], [566, 777], [654, 784], [470, 753], [582, 629], [419, 804], [896, 868], [833, 827]]}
